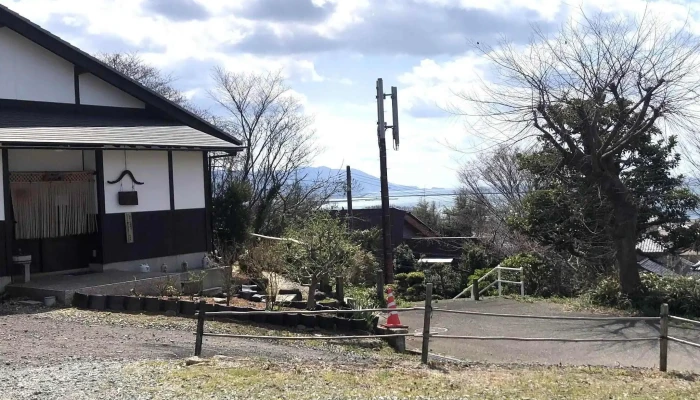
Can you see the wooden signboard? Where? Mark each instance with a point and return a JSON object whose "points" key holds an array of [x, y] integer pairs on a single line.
{"points": [[128, 222]]}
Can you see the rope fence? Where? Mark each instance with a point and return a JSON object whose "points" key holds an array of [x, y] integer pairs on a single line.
{"points": [[663, 319]]}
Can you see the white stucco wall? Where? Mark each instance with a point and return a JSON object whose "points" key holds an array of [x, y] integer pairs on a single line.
{"points": [[149, 167], [30, 72], [96, 92], [32, 160], [188, 179]]}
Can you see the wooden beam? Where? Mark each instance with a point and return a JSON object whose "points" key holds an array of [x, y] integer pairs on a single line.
{"points": [[9, 217], [76, 84], [170, 180], [100, 185], [207, 199]]}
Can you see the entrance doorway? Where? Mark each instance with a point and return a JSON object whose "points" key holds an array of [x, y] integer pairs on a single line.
{"points": [[55, 219]]}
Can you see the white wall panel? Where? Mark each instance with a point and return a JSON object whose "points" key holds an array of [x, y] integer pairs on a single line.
{"points": [[30, 72], [33, 160], [188, 179], [96, 92], [149, 167]]}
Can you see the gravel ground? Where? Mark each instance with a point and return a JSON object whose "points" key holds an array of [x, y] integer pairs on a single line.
{"points": [[77, 354]]}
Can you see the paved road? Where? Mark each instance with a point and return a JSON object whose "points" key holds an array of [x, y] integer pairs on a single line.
{"points": [[637, 354]]}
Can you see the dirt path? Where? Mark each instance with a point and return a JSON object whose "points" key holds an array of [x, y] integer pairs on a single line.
{"points": [[637, 354], [43, 337]]}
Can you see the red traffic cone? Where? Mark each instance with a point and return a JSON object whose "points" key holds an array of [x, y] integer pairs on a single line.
{"points": [[393, 320]]}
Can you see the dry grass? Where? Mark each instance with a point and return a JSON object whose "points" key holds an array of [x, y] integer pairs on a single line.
{"points": [[221, 378]]}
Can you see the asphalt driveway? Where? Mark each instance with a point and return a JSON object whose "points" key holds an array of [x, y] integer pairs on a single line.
{"points": [[634, 354]]}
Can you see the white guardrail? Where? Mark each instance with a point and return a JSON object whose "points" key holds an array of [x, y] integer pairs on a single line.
{"points": [[499, 281]]}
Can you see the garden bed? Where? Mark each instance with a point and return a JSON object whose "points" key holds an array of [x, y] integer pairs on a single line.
{"points": [[187, 306]]}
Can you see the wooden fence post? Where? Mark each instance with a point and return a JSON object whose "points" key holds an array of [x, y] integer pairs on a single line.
{"points": [[663, 339], [426, 322], [380, 287], [522, 282], [200, 329], [339, 290], [475, 289]]}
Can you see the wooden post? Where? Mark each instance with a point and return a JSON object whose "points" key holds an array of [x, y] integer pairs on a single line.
{"points": [[311, 299], [426, 322], [200, 329], [339, 290], [499, 282], [663, 339], [380, 287], [475, 289], [522, 282]]}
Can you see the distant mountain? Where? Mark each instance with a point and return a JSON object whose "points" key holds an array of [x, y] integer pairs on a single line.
{"points": [[364, 184]]}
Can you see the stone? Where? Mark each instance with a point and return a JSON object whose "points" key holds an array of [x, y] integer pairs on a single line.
{"points": [[258, 297], [219, 300], [286, 298], [212, 291], [194, 361], [171, 313], [30, 302]]}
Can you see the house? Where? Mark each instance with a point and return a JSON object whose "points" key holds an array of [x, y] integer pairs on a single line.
{"points": [[98, 172], [404, 225]]}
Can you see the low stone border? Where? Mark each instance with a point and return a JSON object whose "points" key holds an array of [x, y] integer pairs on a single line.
{"points": [[187, 308]]}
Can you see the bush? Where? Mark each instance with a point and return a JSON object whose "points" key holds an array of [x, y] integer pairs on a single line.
{"points": [[540, 278], [682, 294], [410, 286]]}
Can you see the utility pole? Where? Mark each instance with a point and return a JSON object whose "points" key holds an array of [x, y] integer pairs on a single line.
{"points": [[348, 191], [381, 136]]}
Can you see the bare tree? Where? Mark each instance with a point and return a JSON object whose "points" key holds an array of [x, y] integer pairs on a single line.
{"points": [[280, 141], [560, 88], [163, 83], [492, 188]]}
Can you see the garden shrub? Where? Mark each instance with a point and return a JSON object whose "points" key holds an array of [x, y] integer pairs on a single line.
{"points": [[682, 294], [410, 286], [540, 278]]}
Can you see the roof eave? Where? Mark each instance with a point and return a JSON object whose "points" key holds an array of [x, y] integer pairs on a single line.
{"points": [[61, 48]]}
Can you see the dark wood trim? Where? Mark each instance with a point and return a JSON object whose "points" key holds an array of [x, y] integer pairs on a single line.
{"points": [[9, 217], [170, 180], [92, 65], [156, 234], [76, 84], [100, 186], [76, 108], [83, 146], [207, 200]]}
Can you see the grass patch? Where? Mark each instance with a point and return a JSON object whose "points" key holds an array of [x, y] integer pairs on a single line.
{"points": [[250, 379], [574, 304]]}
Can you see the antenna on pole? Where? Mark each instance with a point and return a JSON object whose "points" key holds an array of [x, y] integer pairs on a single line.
{"points": [[395, 116], [381, 136]]}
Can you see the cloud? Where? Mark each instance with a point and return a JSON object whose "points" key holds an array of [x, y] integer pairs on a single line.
{"points": [[178, 10], [411, 27], [287, 11], [74, 29]]}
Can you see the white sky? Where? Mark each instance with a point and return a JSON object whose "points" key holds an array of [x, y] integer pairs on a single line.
{"points": [[332, 51]]}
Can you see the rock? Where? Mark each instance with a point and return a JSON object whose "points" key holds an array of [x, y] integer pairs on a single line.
{"points": [[212, 291], [219, 300], [287, 298], [320, 295], [30, 302], [258, 297], [170, 313], [194, 361]]}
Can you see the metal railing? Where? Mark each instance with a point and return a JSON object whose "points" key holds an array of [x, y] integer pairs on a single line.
{"points": [[499, 281]]}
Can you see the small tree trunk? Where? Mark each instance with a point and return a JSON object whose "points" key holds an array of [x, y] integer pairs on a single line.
{"points": [[311, 301]]}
